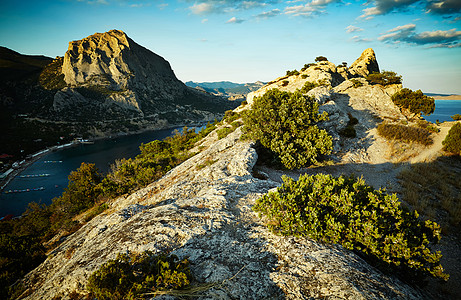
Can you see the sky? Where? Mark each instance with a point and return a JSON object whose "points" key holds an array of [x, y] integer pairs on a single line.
{"points": [[251, 40]]}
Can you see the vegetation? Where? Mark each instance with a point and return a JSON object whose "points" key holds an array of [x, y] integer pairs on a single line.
{"points": [[456, 117], [349, 130], [427, 125], [285, 82], [129, 276], [405, 133], [349, 212], [51, 77], [321, 58], [22, 240], [307, 66], [452, 142], [415, 102], [356, 83], [384, 78], [291, 73], [434, 189], [286, 123]]}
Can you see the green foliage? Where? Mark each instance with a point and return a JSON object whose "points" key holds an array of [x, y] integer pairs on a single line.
{"points": [[405, 133], [309, 85], [356, 83], [349, 130], [304, 76], [321, 58], [291, 73], [427, 125], [285, 123], [223, 132], [348, 212], [415, 102], [307, 66], [51, 77], [384, 78], [285, 83], [230, 116], [456, 117], [129, 276], [452, 142]]}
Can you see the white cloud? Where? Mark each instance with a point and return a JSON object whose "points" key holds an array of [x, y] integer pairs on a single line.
{"points": [[311, 8], [234, 20], [382, 7], [352, 28], [201, 8], [269, 14], [434, 39]]}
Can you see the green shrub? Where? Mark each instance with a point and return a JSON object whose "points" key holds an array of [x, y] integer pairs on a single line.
{"points": [[415, 102], [321, 58], [285, 123], [427, 125], [223, 132], [348, 212], [304, 76], [230, 116], [356, 83], [349, 130], [307, 66], [309, 85], [285, 82], [130, 276], [291, 73], [405, 133], [456, 117], [452, 142], [384, 78]]}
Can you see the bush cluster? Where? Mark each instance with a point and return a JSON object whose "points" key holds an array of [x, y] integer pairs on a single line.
{"points": [[286, 123], [384, 78], [349, 212], [291, 73], [452, 142], [405, 133], [456, 117], [321, 58], [356, 83], [130, 276], [415, 102]]}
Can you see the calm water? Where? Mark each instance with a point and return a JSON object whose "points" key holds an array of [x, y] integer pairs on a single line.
{"points": [[102, 153], [444, 109]]}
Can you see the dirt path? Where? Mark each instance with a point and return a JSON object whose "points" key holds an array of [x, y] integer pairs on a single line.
{"points": [[434, 150]]}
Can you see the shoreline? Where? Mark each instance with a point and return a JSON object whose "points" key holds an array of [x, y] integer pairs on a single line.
{"points": [[32, 158]]}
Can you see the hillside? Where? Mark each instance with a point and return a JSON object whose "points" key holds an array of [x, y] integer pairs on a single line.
{"points": [[202, 210], [230, 90]]}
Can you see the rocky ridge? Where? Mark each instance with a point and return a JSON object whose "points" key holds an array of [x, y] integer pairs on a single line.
{"points": [[202, 210]]}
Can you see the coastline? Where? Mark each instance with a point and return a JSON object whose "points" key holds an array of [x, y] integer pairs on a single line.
{"points": [[32, 158]]}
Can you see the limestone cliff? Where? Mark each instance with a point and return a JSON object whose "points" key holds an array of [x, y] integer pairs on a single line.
{"points": [[117, 77]]}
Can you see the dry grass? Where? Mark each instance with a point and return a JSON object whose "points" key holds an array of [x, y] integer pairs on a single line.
{"points": [[434, 190]]}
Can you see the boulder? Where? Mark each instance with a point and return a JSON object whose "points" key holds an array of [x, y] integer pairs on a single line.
{"points": [[365, 64]]}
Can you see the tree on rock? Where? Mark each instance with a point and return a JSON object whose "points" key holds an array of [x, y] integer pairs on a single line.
{"points": [[286, 123], [414, 102]]}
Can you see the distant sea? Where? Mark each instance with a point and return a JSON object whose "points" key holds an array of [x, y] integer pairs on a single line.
{"points": [[444, 109]]}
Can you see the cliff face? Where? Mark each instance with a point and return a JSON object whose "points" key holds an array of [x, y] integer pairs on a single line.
{"points": [[119, 77]]}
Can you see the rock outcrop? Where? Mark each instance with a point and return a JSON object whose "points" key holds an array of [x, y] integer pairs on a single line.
{"points": [[117, 76], [365, 64]]}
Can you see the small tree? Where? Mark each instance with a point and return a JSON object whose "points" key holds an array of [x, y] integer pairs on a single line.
{"points": [[415, 102], [452, 142], [321, 58], [384, 78], [456, 117], [285, 123]]}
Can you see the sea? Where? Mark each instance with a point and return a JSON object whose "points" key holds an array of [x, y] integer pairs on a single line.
{"points": [[444, 109], [48, 175]]}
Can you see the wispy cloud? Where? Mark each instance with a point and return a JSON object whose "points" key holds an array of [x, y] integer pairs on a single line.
{"points": [[234, 20], [162, 6], [434, 39], [225, 6], [358, 39], [269, 14], [352, 28], [201, 8], [447, 7], [382, 7], [311, 8]]}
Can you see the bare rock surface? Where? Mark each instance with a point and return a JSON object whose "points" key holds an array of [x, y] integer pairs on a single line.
{"points": [[205, 214], [365, 64]]}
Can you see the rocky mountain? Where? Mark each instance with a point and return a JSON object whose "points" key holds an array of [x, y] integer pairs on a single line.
{"points": [[204, 213], [105, 84], [230, 90]]}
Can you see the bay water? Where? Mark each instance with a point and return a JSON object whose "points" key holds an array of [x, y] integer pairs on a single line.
{"points": [[444, 109], [59, 164]]}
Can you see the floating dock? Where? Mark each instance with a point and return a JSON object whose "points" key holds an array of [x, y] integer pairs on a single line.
{"points": [[34, 175]]}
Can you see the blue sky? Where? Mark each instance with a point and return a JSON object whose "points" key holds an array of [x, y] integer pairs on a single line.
{"points": [[246, 41]]}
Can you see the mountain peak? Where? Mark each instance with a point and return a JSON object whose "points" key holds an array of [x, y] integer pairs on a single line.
{"points": [[365, 64]]}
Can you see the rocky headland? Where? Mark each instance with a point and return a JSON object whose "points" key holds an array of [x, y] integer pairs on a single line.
{"points": [[202, 209]]}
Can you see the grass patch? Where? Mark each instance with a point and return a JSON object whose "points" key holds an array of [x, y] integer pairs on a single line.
{"points": [[405, 133]]}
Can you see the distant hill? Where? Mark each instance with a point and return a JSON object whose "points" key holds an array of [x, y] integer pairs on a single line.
{"points": [[230, 90], [444, 96], [15, 66]]}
